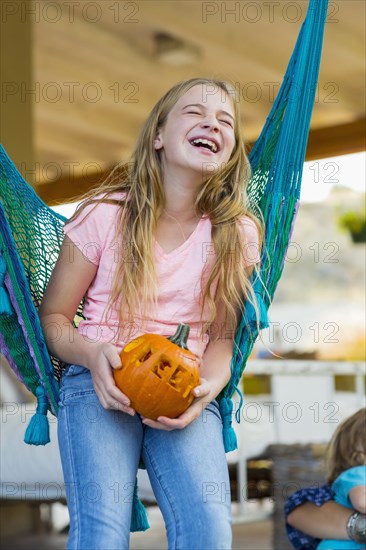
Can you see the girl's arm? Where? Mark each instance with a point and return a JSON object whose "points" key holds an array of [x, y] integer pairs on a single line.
{"points": [[68, 284], [216, 360], [216, 364], [357, 496], [327, 521]]}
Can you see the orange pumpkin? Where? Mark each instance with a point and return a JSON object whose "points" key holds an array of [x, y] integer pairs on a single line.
{"points": [[158, 374]]}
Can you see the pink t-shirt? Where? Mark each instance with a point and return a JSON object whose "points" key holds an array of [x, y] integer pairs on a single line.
{"points": [[179, 277]]}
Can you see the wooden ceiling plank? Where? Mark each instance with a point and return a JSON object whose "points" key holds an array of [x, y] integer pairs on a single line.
{"points": [[110, 51]]}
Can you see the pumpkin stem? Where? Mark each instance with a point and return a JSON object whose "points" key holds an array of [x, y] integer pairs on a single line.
{"points": [[181, 336]]}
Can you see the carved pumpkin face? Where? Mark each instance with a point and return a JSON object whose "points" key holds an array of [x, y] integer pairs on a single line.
{"points": [[158, 375]]}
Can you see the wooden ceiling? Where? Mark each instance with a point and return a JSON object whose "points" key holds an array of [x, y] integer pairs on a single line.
{"points": [[101, 66]]}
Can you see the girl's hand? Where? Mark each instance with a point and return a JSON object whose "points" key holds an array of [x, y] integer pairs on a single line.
{"points": [[194, 410], [104, 358]]}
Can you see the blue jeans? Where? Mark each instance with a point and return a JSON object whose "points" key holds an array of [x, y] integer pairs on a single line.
{"points": [[100, 452]]}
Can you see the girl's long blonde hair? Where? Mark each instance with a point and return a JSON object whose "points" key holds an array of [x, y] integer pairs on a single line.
{"points": [[347, 448], [222, 196]]}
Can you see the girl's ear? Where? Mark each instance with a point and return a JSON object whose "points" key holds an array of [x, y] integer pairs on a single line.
{"points": [[158, 142]]}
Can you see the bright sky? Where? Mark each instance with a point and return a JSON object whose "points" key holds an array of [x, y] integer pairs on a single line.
{"points": [[319, 176]]}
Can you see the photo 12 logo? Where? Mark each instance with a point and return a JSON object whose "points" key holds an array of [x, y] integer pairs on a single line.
{"points": [[69, 92], [53, 12], [254, 12]]}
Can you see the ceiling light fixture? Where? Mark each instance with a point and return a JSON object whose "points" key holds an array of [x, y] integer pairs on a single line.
{"points": [[174, 51]]}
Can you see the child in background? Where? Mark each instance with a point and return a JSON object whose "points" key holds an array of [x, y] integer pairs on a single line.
{"points": [[347, 473]]}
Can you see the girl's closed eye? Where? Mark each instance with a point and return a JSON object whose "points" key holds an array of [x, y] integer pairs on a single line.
{"points": [[226, 122]]}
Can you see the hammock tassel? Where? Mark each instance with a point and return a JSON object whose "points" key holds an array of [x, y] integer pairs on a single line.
{"points": [[229, 435], [139, 521], [38, 431], [5, 303]]}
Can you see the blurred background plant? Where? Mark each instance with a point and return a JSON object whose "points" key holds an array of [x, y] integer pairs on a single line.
{"points": [[354, 221]]}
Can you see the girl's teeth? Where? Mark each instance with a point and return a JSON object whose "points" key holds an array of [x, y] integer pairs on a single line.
{"points": [[211, 144]]}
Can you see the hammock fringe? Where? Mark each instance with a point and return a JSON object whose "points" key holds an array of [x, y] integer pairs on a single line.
{"points": [[229, 435], [38, 431], [139, 521]]}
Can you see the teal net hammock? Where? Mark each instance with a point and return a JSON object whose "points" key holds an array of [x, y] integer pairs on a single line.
{"points": [[31, 235]]}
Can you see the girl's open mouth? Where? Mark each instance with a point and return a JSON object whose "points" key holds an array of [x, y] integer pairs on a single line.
{"points": [[206, 145]]}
